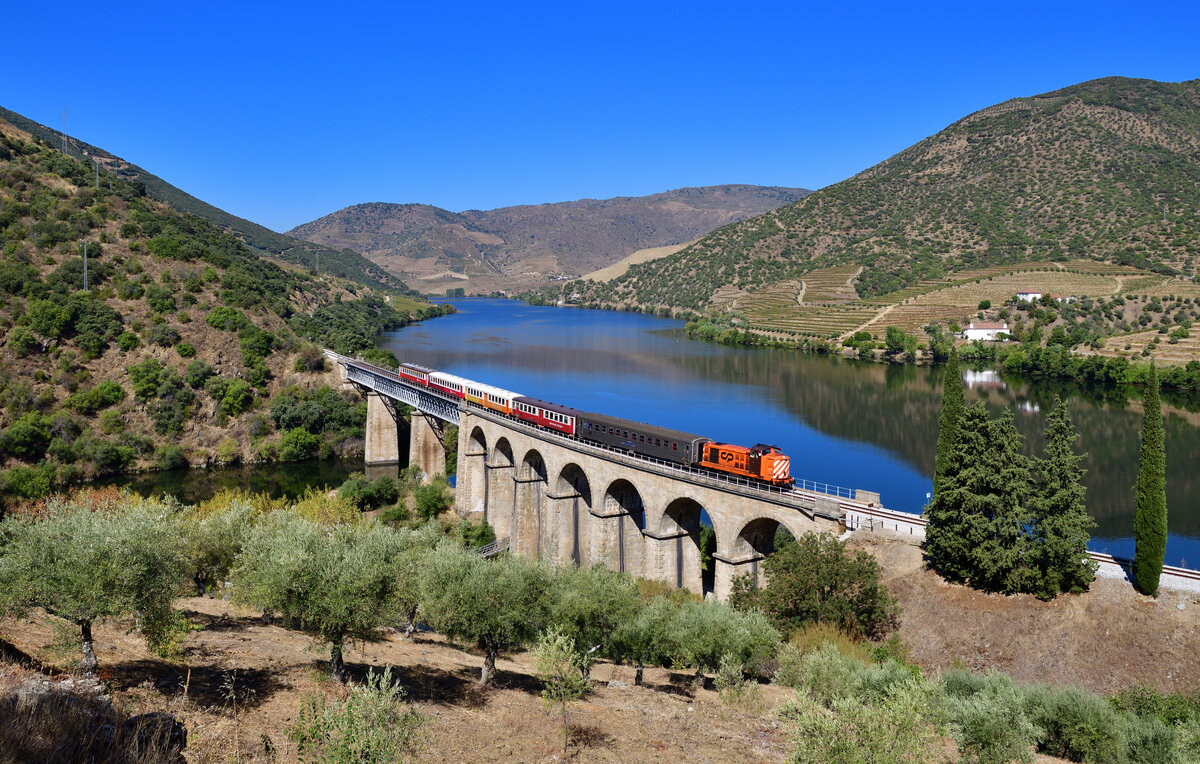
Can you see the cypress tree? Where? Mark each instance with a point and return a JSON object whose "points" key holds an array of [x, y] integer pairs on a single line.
{"points": [[1150, 516], [977, 519], [953, 403], [1061, 523]]}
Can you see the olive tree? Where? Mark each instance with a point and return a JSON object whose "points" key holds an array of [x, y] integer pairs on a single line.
{"points": [[336, 583], [87, 565], [499, 604], [213, 540], [589, 606], [647, 638]]}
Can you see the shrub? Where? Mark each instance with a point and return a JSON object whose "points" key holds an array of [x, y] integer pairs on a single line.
{"points": [[198, 372], [433, 498], [369, 494], [163, 335], [1074, 724], [238, 397], [160, 298], [298, 444], [226, 318], [102, 396], [987, 717], [816, 580], [185, 350], [370, 726], [27, 438], [900, 730], [170, 458], [127, 341], [21, 341]]}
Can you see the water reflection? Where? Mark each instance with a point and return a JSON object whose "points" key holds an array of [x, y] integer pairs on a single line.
{"points": [[846, 422], [276, 480]]}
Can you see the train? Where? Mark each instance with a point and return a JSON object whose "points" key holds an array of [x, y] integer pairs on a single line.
{"points": [[761, 462]]}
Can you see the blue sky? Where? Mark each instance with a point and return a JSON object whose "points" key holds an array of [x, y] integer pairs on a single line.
{"points": [[284, 112]]}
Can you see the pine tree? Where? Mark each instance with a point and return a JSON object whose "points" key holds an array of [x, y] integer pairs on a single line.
{"points": [[1150, 517], [953, 403], [978, 517], [1060, 520]]}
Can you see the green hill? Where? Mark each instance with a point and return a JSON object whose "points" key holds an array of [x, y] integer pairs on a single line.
{"points": [[344, 263], [173, 343], [1108, 170]]}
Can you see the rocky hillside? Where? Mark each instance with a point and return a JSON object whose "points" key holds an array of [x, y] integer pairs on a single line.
{"points": [[182, 346], [344, 263], [521, 247], [1106, 170]]}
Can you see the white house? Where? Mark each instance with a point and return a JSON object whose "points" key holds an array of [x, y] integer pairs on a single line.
{"points": [[1061, 298], [985, 330], [1029, 295]]}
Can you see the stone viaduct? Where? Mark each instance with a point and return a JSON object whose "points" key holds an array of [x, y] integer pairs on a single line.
{"points": [[559, 498]]}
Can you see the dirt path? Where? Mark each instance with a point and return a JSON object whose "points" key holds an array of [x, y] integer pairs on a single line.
{"points": [[803, 289], [876, 317]]}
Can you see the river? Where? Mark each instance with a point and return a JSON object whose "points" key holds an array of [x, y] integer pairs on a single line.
{"points": [[844, 422]]}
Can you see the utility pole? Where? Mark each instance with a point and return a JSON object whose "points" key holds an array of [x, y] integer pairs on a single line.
{"points": [[64, 131], [85, 284]]}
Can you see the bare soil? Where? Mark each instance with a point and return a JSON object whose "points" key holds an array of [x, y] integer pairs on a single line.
{"points": [[240, 683], [1104, 640]]}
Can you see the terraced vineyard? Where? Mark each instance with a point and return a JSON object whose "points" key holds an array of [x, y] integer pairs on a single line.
{"points": [[807, 308], [831, 284], [822, 321], [1184, 350]]}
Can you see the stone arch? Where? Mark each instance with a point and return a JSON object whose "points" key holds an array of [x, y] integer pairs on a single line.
{"points": [[679, 533], [473, 471], [500, 489], [755, 542], [574, 493], [530, 484], [626, 513]]}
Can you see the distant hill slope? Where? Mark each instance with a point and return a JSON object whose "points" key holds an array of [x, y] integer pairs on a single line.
{"points": [[344, 264], [530, 245], [1082, 172], [135, 335]]}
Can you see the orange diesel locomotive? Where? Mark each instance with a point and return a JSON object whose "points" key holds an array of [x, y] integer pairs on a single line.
{"points": [[762, 462]]}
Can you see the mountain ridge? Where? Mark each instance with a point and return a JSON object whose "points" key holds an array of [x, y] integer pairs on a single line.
{"points": [[1082, 171], [345, 263], [529, 245]]}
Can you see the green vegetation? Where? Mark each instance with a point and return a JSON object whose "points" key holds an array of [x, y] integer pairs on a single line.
{"points": [[84, 383], [371, 725], [555, 657], [815, 580], [1004, 522], [85, 566], [953, 404], [335, 583], [1150, 518]]}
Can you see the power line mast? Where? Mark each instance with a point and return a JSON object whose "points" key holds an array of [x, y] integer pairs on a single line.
{"points": [[64, 131], [85, 284]]}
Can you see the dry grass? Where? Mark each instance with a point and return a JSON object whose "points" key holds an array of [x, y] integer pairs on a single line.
{"points": [[1105, 640]]}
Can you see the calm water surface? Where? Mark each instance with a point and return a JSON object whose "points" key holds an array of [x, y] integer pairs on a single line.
{"points": [[276, 480], [849, 423]]}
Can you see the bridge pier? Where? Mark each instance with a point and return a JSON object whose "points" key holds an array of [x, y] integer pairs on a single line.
{"points": [[425, 449], [383, 439], [728, 569]]}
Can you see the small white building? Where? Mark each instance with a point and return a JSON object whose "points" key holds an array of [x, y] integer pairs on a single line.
{"points": [[1062, 298], [985, 330], [1029, 295]]}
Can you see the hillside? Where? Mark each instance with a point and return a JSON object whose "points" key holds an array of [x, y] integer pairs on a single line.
{"points": [[185, 346], [527, 246], [1087, 172], [345, 263]]}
